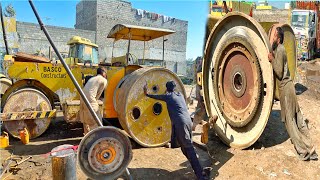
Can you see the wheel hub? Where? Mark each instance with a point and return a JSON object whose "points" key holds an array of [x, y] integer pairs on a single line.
{"points": [[106, 155], [238, 84]]}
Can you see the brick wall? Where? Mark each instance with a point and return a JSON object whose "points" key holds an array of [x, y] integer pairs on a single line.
{"points": [[111, 12], [32, 39]]}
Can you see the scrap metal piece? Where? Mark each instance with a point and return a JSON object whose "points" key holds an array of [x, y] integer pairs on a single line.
{"points": [[27, 99], [6, 166], [104, 153], [145, 119], [238, 79], [22, 161]]}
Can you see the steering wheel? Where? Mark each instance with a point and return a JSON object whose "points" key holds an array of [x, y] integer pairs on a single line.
{"points": [[87, 61]]}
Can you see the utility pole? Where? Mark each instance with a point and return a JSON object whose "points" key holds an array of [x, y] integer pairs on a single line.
{"points": [[4, 31], [164, 40]]}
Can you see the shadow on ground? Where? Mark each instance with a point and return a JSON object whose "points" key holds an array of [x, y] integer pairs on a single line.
{"points": [[58, 133], [275, 132], [218, 153], [161, 174], [38, 149], [300, 89]]}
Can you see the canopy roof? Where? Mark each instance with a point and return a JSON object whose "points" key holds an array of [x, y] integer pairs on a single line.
{"points": [[138, 33]]}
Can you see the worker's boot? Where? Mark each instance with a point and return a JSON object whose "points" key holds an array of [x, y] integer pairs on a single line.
{"points": [[168, 145], [314, 155], [206, 172]]}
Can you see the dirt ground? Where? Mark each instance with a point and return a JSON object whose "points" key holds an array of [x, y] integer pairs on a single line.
{"points": [[271, 157]]}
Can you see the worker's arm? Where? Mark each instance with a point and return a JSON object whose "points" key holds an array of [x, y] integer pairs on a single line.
{"points": [[162, 97], [102, 86], [278, 63]]}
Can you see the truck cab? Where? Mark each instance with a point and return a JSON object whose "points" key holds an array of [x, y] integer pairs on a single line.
{"points": [[304, 24]]}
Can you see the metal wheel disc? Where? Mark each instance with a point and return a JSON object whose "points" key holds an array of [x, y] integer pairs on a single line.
{"points": [[27, 99], [104, 153], [146, 119], [238, 79]]}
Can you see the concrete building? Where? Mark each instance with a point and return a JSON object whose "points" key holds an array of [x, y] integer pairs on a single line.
{"points": [[101, 15], [94, 20]]}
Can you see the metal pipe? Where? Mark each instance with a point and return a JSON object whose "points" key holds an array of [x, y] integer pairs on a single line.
{"points": [[4, 32], [112, 48], [129, 45], [93, 113], [163, 40], [129, 174], [162, 49], [144, 49]]}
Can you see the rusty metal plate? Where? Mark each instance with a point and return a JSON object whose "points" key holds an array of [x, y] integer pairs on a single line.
{"points": [[27, 99], [238, 79], [146, 119], [104, 153]]}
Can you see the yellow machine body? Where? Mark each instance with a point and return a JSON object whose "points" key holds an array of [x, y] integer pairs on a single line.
{"points": [[145, 119], [4, 140], [53, 80], [46, 82], [52, 76]]}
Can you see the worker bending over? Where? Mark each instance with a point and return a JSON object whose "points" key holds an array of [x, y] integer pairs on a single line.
{"points": [[93, 90], [181, 125], [290, 111]]}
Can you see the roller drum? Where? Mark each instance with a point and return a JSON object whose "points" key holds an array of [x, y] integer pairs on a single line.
{"points": [[145, 119], [237, 79]]}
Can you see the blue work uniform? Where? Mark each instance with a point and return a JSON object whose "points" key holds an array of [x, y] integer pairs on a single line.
{"points": [[181, 127]]}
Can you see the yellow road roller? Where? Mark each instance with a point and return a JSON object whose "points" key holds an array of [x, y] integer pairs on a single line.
{"points": [[40, 85]]}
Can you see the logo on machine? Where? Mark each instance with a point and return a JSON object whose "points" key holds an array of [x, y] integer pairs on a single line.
{"points": [[52, 69], [53, 72]]}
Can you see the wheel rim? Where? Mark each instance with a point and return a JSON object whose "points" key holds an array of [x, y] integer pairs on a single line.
{"points": [[104, 153], [222, 48]]}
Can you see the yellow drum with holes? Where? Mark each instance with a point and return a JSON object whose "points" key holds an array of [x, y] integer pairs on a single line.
{"points": [[145, 119]]}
